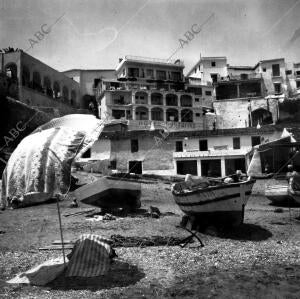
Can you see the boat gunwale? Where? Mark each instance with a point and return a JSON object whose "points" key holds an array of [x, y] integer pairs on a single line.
{"points": [[210, 201], [213, 188]]}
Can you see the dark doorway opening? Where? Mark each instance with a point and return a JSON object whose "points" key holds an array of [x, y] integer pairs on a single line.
{"points": [[135, 167], [187, 167], [211, 168], [232, 165]]}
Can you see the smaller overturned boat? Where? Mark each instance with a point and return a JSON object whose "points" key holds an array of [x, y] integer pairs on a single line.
{"points": [[111, 192], [277, 192], [217, 203]]}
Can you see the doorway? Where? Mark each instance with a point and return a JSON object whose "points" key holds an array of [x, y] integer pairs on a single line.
{"points": [[187, 167], [211, 168], [135, 167]]}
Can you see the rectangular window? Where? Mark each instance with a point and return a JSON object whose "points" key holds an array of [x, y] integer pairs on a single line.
{"points": [[298, 84], [196, 90], [113, 164], [178, 146], [133, 72], [264, 69], [197, 100], [255, 140], [288, 72], [236, 142], [277, 88], [213, 63], [134, 145], [96, 82], [214, 77], [297, 73], [197, 114], [203, 145], [208, 93], [176, 76], [150, 73], [275, 70], [161, 75]]}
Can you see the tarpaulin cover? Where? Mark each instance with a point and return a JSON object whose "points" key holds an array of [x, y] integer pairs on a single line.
{"points": [[40, 166], [86, 123], [90, 257]]}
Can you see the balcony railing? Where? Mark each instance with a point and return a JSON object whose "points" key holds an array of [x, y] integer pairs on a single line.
{"points": [[195, 81], [155, 60], [241, 77]]}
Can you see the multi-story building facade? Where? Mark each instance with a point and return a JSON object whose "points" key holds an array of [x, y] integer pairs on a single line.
{"points": [[209, 69], [207, 153], [88, 81], [38, 85], [247, 96], [148, 91]]}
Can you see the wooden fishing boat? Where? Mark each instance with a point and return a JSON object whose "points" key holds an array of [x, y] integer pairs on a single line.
{"points": [[111, 192], [222, 204]]}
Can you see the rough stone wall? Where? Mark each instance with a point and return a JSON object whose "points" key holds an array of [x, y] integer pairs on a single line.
{"points": [[235, 113]]}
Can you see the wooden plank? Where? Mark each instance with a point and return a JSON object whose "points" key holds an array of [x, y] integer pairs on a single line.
{"points": [[79, 212], [56, 247], [58, 242]]}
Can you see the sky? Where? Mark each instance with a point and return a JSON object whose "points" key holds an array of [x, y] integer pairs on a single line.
{"points": [[94, 34]]}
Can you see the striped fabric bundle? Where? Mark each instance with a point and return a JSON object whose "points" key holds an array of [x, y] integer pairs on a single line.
{"points": [[90, 257], [40, 167]]}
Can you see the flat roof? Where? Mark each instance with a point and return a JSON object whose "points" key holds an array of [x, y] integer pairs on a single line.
{"points": [[251, 131], [213, 57], [140, 59], [87, 70], [240, 67]]}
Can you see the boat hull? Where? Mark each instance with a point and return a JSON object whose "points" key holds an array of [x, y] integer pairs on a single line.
{"points": [[223, 205], [108, 192], [278, 194], [294, 194]]}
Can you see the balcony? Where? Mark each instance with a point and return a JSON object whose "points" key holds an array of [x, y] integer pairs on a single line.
{"points": [[241, 77], [276, 75], [154, 60], [211, 153], [194, 81]]}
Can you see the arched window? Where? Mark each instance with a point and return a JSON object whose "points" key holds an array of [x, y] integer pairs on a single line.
{"points": [[156, 99], [172, 115], [157, 114], [11, 70], [261, 116], [141, 98], [171, 100], [73, 97], [47, 87], [186, 115], [36, 81], [186, 101], [142, 113], [65, 93], [25, 76], [56, 89]]}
